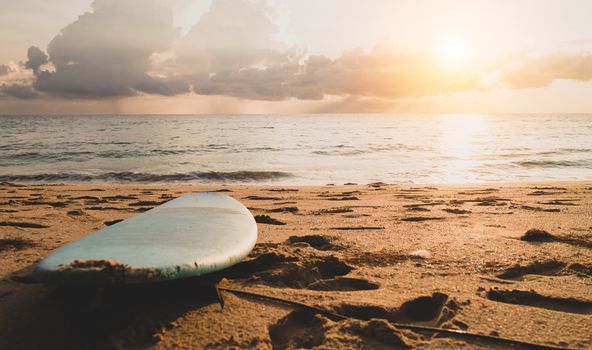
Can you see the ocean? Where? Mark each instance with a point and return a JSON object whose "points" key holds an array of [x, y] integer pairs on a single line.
{"points": [[296, 149]]}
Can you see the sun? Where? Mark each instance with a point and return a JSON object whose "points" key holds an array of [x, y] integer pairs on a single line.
{"points": [[452, 51]]}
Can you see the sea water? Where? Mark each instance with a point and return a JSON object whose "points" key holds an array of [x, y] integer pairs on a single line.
{"points": [[296, 149]]}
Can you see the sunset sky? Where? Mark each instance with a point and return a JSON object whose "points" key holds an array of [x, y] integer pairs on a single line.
{"points": [[295, 56]]}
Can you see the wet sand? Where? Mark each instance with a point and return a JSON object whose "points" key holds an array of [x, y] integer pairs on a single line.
{"points": [[444, 256]]}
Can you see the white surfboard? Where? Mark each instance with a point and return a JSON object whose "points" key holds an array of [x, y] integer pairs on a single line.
{"points": [[190, 236]]}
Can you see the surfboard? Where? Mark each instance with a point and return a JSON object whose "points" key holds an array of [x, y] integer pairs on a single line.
{"points": [[189, 236]]}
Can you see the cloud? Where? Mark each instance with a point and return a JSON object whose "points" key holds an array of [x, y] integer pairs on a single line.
{"points": [[230, 51], [129, 48], [107, 52], [272, 82], [36, 58], [378, 74], [382, 74], [5, 69], [542, 71], [231, 35], [15, 82], [20, 91]]}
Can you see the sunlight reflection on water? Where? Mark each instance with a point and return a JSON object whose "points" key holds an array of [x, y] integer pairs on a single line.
{"points": [[299, 149]]}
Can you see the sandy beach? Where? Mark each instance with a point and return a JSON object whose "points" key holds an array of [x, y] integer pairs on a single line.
{"points": [[454, 257]]}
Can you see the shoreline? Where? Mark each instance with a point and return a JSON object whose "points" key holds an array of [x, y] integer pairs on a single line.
{"points": [[441, 255], [335, 184]]}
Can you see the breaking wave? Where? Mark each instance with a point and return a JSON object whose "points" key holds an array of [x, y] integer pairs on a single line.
{"points": [[133, 177], [584, 163]]}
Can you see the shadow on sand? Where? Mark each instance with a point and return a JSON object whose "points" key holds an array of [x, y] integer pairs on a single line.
{"points": [[99, 317]]}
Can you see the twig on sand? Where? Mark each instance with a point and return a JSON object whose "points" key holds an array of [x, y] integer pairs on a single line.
{"points": [[452, 332]]}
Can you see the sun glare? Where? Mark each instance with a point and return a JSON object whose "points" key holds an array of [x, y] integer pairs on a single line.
{"points": [[461, 136], [452, 51]]}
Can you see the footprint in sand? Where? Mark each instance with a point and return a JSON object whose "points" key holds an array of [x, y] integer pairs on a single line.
{"points": [[548, 210], [302, 329], [419, 205], [531, 298], [347, 198], [430, 310], [22, 224], [542, 236], [283, 190], [354, 216], [368, 324], [268, 220], [262, 198], [344, 284], [51, 204], [546, 268], [418, 209], [560, 202], [88, 198], [358, 228], [381, 258], [15, 244], [283, 268], [332, 211], [112, 222], [107, 208], [147, 203], [120, 198], [543, 193], [319, 242], [284, 210], [422, 218], [549, 188], [456, 211], [482, 201], [479, 192], [411, 197]]}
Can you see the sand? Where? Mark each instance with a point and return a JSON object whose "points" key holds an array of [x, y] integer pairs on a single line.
{"points": [[445, 256]]}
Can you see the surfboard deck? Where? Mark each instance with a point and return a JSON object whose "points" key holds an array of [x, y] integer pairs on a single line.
{"points": [[189, 236]]}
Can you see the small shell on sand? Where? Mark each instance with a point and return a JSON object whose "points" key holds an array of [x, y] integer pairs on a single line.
{"points": [[421, 253]]}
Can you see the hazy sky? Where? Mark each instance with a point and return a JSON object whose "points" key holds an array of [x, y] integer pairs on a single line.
{"points": [[295, 56]]}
